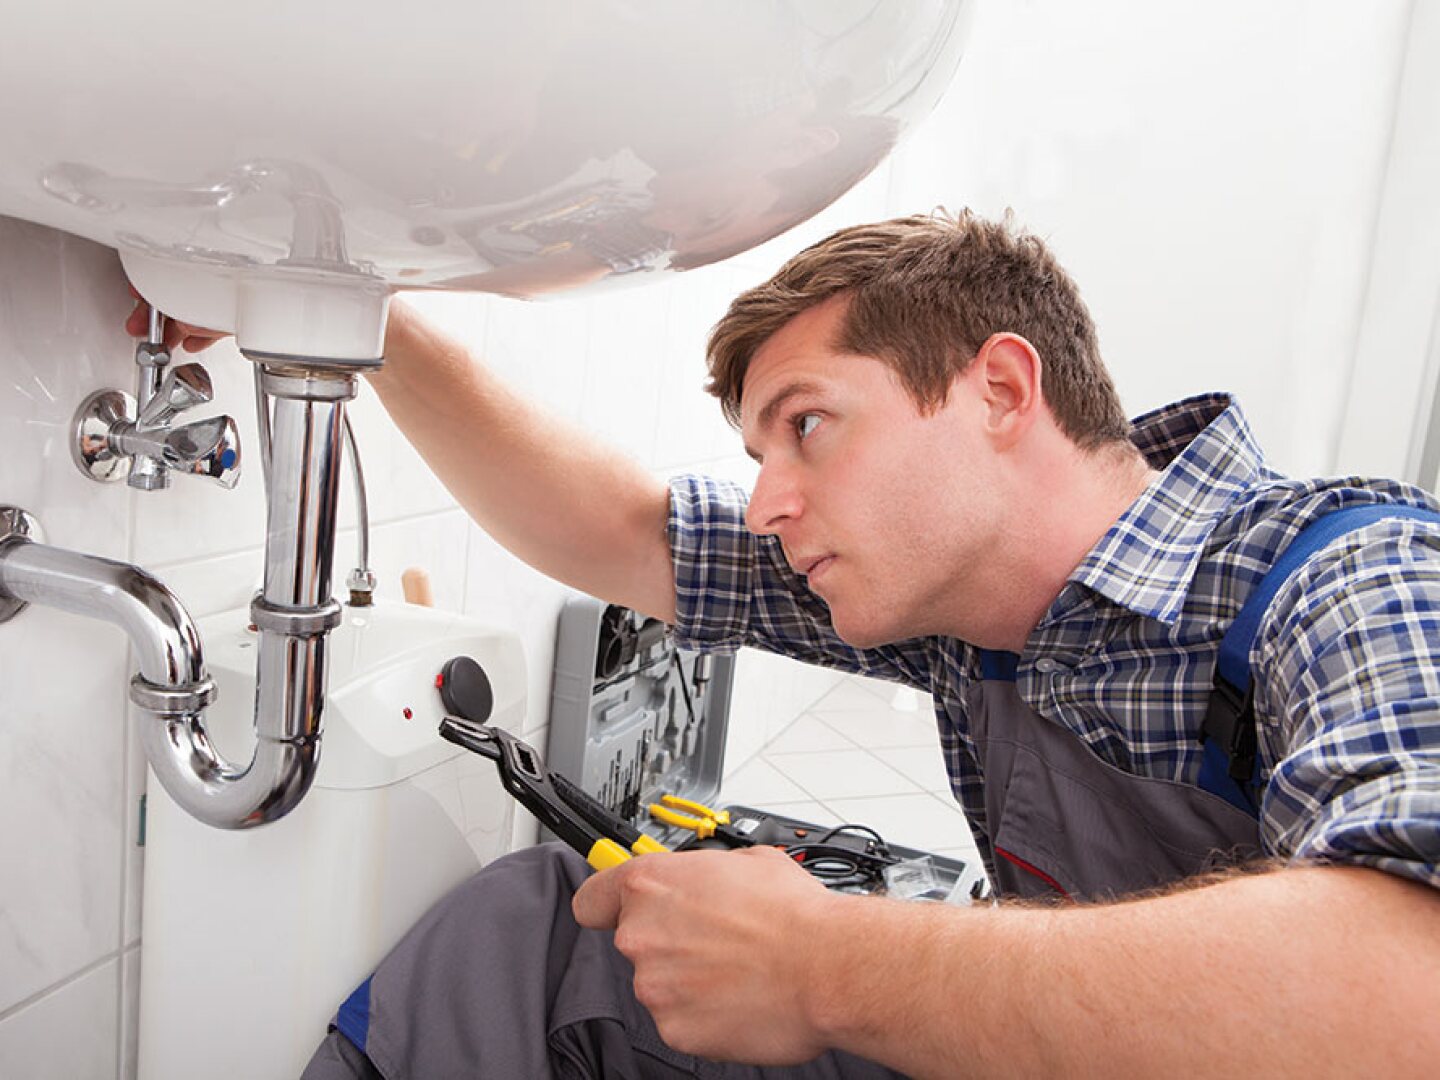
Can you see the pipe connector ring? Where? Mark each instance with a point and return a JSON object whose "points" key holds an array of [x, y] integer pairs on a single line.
{"points": [[295, 621], [192, 698], [304, 385]]}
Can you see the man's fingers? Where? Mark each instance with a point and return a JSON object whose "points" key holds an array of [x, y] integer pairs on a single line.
{"points": [[198, 342], [138, 324], [178, 335], [597, 902]]}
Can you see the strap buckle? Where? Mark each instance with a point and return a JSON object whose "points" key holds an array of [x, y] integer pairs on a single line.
{"points": [[1230, 721]]}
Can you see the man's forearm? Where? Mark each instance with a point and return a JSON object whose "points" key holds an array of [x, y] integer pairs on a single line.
{"points": [[567, 505], [1306, 971]]}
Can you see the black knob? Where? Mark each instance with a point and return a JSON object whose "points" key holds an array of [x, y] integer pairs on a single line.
{"points": [[465, 690]]}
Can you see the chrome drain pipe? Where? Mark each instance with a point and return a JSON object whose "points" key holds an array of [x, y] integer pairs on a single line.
{"points": [[293, 613]]}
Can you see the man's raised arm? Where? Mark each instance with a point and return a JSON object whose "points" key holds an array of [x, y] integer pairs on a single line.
{"points": [[563, 502]]}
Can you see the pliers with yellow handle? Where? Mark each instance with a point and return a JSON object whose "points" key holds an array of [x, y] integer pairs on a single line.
{"points": [[702, 820], [562, 806]]}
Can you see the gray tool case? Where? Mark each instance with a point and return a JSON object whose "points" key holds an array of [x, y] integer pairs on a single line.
{"points": [[632, 716]]}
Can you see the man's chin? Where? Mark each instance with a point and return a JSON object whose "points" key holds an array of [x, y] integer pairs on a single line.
{"points": [[862, 636]]}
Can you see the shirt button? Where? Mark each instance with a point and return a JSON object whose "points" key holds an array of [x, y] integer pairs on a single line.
{"points": [[1046, 666]]}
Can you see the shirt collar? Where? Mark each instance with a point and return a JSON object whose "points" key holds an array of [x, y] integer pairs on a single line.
{"points": [[1207, 456]]}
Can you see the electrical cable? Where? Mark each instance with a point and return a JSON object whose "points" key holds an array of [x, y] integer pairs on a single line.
{"points": [[844, 867]]}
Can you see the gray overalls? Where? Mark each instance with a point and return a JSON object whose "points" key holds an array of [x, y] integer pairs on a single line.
{"points": [[1062, 822]]}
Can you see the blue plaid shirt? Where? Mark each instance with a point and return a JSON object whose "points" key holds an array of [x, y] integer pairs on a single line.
{"points": [[1344, 665]]}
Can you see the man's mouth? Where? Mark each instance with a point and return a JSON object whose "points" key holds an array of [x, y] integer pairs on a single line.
{"points": [[811, 568]]}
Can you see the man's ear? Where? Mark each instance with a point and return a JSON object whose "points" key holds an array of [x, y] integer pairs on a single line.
{"points": [[1008, 372]]}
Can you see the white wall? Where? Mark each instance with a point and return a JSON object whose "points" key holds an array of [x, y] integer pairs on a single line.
{"points": [[1213, 176]]}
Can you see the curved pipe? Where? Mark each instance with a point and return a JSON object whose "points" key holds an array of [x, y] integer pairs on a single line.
{"points": [[294, 613], [167, 646]]}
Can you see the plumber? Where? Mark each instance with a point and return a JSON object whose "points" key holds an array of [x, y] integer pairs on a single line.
{"points": [[1193, 879]]}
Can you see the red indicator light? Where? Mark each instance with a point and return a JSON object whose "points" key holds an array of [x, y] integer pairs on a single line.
{"points": [[440, 681], [408, 714]]}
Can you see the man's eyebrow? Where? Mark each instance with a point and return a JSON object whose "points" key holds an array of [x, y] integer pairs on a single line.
{"points": [[776, 403]]}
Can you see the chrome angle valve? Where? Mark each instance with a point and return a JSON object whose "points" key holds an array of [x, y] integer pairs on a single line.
{"points": [[119, 437]]}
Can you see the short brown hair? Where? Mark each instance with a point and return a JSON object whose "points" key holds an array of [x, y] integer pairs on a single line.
{"points": [[925, 292]]}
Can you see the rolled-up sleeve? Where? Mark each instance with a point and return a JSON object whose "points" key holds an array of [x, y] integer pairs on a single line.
{"points": [[1351, 676], [734, 588]]}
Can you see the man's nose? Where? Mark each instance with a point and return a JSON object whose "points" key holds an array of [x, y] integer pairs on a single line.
{"points": [[774, 500]]}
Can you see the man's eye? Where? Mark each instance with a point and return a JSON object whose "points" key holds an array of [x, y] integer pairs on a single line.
{"points": [[805, 423]]}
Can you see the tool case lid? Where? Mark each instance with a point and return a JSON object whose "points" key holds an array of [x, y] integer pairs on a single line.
{"points": [[631, 715]]}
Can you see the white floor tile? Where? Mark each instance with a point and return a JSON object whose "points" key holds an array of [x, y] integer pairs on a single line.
{"points": [[807, 734], [857, 693], [759, 784], [917, 821], [883, 726], [839, 774], [922, 764]]}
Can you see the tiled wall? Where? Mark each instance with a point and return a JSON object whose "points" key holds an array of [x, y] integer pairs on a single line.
{"points": [[1212, 179]]}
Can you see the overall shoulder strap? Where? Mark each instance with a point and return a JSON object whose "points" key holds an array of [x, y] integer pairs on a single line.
{"points": [[1231, 766]]}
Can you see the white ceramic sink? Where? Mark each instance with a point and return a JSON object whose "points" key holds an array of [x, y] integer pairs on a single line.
{"points": [[280, 168]]}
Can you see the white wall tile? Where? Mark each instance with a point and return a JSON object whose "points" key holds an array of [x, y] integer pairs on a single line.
{"points": [[130, 1013], [623, 373], [216, 583], [62, 302], [61, 785], [71, 1033], [435, 543], [503, 591], [1208, 176], [132, 825], [398, 483], [691, 426], [542, 348]]}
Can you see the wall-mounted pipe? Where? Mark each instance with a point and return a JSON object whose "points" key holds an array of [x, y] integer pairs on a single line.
{"points": [[293, 614]]}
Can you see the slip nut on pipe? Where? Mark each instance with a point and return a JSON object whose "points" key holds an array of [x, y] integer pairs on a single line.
{"points": [[192, 698], [308, 385], [294, 621]]}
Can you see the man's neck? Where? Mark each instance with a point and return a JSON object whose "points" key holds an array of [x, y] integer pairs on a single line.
{"points": [[1076, 498]]}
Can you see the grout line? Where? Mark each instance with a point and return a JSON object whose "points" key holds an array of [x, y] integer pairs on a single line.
{"points": [[453, 508], [120, 1012], [258, 550], [127, 727], [57, 987], [878, 764]]}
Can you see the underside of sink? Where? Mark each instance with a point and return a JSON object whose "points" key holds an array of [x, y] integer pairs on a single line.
{"points": [[527, 149]]}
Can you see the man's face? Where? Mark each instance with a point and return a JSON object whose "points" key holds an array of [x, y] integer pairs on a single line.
{"points": [[886, 510]]}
